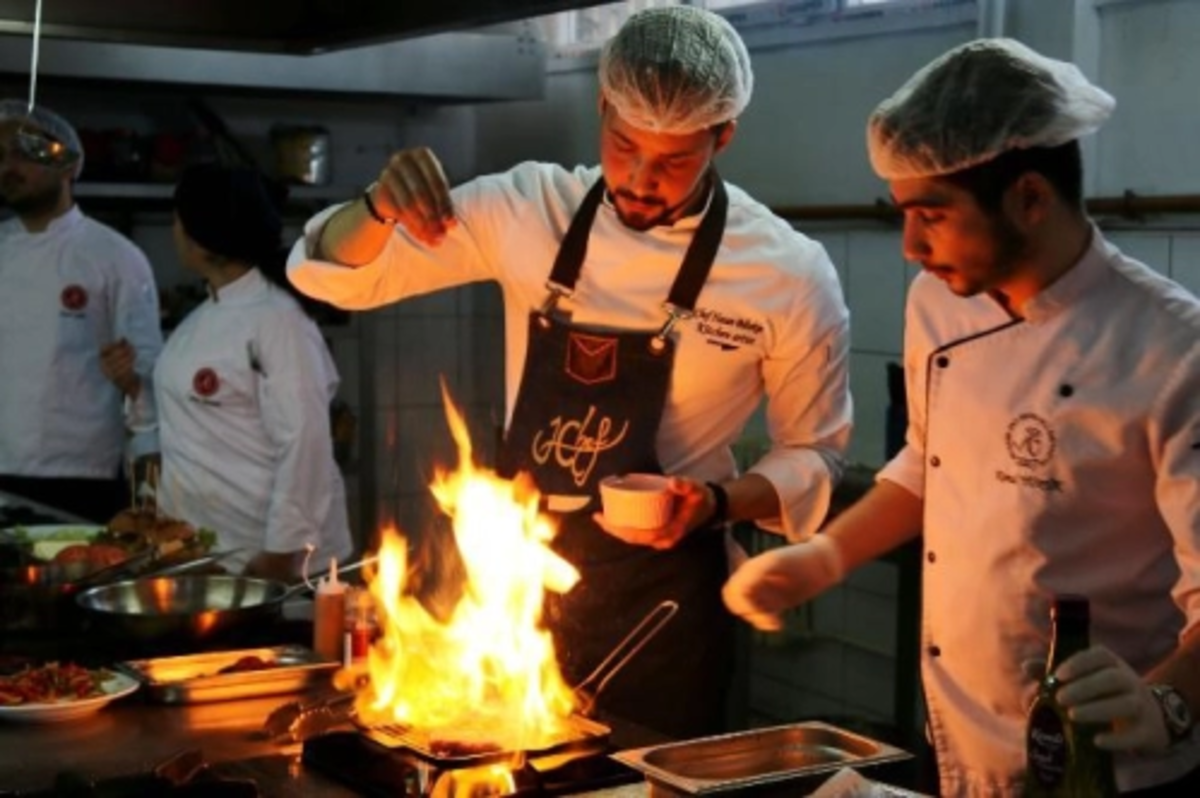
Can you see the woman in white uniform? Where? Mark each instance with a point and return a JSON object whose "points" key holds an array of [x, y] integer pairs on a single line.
{"points": [[1053, 444], [243, 389]]}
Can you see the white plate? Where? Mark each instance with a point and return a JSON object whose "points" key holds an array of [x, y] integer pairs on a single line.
{"points": [[47, 531], [116, 686], [43, 537]]}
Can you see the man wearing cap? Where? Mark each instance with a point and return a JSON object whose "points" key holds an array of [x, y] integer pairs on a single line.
{"points": [[649, 307], [1053, 444], [77, 304]]}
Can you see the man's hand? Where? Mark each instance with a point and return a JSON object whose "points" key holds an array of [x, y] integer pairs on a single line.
{"points": [[116, 362], [1101, 689], [782, 578], [693, 507], [413, 189]]}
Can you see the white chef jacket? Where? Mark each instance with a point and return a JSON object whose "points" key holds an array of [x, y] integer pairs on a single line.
{"points": [[243, 390], [770, 320], [64, 293], [1058, 454]]}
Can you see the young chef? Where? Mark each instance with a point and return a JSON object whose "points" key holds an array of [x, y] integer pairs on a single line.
{"points": [[1054, 436], [72, 293], [676, 303], [243, 389]]}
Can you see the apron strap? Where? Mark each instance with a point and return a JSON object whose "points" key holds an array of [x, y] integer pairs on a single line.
{"points": [[696, 262]]}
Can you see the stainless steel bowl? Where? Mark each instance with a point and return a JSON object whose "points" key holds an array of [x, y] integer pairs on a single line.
{"points": [[194, 608]]}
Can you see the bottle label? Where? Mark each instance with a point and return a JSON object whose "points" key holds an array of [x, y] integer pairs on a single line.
{"points": [[1046, 747]]}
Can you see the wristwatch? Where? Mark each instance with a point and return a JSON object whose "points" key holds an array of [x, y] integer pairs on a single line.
{"points": [[1175, 710]]}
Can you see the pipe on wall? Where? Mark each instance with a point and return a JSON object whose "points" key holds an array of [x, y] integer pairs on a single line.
{"points": [[1127, 206]]}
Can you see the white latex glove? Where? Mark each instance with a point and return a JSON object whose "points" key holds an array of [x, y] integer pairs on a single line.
{"points": [[777, 580], [1101, 688]]}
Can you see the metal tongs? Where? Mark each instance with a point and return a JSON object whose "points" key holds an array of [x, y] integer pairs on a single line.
{"points": [[610, 666]]}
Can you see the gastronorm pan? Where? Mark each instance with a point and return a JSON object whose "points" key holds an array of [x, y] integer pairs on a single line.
{"points": [[751, 759], [197, 678], [581, 736]]}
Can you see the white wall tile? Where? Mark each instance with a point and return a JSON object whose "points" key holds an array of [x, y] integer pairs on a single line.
{"points": [[1151, 248], [868, 384], [879, 577], [383, 360], [876, 291], [871, 620], [829, 612], [835, 243], [870, 683], [1185, 261], [426, 351]]}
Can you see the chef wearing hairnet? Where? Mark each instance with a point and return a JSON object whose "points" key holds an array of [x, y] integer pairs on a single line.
{"points": [[649, 307], [1053, 444], [77, 303]]}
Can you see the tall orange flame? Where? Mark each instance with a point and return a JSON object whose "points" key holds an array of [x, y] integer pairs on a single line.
{"points": [[487, 673]]}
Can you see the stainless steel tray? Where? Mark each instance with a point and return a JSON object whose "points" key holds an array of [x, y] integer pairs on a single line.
{"points": [[196, 678], [739, 761]]}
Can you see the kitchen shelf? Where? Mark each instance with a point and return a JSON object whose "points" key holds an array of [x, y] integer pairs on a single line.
{"points": [[164, 192]]}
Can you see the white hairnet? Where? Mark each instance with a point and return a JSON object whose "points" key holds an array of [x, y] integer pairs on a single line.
{"points": [[676, 69], [47, 121], [978, 101]]}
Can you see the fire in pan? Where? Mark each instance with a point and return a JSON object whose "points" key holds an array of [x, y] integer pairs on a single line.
{"points": [[580, 735]]}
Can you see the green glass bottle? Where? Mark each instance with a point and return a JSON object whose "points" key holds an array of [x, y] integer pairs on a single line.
{"points": [[1062, 759]]}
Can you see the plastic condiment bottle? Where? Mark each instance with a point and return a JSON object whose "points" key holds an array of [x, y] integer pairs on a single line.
{"points": [[329, 614], [358, 628]]}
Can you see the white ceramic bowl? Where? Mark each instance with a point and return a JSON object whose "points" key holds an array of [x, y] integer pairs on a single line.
{"points": [[637, 501]]}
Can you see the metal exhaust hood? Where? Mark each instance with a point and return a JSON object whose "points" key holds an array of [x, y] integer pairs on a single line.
{"points": [[300, 27], [418, 49]]}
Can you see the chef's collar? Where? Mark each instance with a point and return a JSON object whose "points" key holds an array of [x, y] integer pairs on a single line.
{"points": [[59, 224], [692, 220], [244, 289], [1073, 284]]}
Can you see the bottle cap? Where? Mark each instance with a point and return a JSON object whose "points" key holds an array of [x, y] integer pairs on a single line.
{"points": [[329, 583], [1070, 608]]}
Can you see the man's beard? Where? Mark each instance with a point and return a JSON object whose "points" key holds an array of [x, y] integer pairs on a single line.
{"points": [[35, 202]]}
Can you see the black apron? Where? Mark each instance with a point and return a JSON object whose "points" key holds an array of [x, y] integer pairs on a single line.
{"points": [[589, 406]]}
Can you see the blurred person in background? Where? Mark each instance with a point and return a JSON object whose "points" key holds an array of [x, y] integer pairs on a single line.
{"points": [[650, 306], [243, 389], [79, 328], [1053, 444]]}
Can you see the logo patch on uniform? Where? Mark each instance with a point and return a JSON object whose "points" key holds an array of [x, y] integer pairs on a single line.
{"points": [[1031, 444], [727, 332], [591, 359], [206, 382], [1030, 440], [74, 298]]}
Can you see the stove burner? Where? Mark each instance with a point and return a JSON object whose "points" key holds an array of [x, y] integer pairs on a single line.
{"points": [[373, 769]]}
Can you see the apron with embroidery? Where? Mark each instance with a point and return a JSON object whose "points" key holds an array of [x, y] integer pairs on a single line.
{"points": [[589, 406]]}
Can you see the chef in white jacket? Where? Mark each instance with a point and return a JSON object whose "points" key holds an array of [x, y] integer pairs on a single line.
{"points": [[650, 307], [1053, 444], [74, 295], [243, 389]]}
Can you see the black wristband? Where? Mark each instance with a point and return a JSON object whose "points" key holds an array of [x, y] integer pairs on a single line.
{"points": [[371, 209], [720, 512]]}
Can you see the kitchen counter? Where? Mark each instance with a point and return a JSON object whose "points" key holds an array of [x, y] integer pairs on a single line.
{"points": [[131, 736]]}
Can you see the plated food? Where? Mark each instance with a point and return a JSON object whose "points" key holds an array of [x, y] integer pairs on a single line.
{"points": [[60, 691]]}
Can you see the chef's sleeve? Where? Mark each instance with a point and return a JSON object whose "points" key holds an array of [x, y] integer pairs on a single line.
{"points": [[1176, 437], [405, 267], [137, 321], [297, 379], [809, 410]]}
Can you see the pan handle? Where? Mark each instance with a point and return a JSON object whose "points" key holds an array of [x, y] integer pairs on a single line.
{"points": [[632, 643]]}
